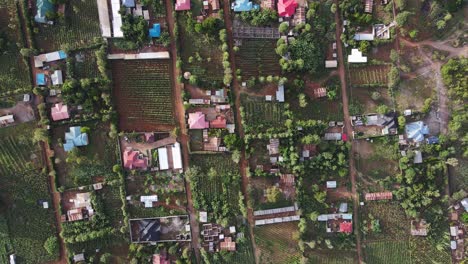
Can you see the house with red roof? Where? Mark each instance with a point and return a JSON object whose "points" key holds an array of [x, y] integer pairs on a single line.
{"points": [[133, 160], [160, 259], [182, 5], [60, 112], [286, 8], [219, 122], [346, 227], [197, 121]]}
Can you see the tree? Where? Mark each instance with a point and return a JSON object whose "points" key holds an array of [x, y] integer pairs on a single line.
{"points": [[441, 24], [401, 122], [402, 18], [413, 33], [452, 162], [40, 134], [464, 218], [281, 49], [394, 56], [25, 52], [375, 96], [236, 156], [401, 4], [193, 80], [364, 46], [333, 8], [232, 141], [382, 109], [302, 100], [135, 29], [273, 194], [105, 258], [52, 247], [283, 27]]}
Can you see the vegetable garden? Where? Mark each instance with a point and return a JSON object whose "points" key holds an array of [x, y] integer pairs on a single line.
{"points": [[369, 75], [143, 95], [17, 152], [14, 72], [388, 252], [257, 113], [78, 28], [277, 243], [256, 57], [86, 66]]}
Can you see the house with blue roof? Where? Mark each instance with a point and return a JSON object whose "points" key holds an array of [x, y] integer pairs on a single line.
{"points": [[43, 6], [243, 6], [155, 31], [128, 3], [416, 131], [432, 140], [75, 138], [40, 79]]}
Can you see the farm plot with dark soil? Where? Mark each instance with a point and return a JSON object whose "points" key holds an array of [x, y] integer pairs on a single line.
{"points": [[143, 95], [257, 57]]}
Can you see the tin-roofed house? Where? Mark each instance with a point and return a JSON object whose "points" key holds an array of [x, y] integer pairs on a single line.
{"points": [[43, 7], [60, 112], [75, 138]]}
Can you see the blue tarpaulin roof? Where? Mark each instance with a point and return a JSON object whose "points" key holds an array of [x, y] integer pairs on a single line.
{"points": [[62, 54], [75, 138], [243, 6], [128, 3], [40, 79], [155, 31], [43, 6]]}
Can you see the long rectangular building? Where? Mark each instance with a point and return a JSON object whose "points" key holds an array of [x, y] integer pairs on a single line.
{"points": [[104, 19]]}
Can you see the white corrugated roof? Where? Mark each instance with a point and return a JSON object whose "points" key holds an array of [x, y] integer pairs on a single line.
{"points": [[356, 57], [104, 19], [163, 161], [176, 156]]}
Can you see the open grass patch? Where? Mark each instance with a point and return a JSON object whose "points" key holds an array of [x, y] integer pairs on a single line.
{"points": [[277, 243]]}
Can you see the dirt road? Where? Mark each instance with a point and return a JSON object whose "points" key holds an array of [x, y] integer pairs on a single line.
{"points": [[183, 137], [349, 132], [236, 90]]}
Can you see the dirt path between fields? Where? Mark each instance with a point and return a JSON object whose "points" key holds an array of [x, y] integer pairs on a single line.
{"points": [[349, 132], [236, 89], [183, 137]]}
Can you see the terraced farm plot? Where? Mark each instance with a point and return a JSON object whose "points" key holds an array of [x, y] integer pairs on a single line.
{"points": [[277, 244], [388, 252], [374, 74], [78, 29], [261, 114], [143, 95], [17, 152], [257, 57], [14, 72]]}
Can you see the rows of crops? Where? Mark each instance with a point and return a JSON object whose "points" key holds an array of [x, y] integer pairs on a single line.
{"points": [[86, 67], [80, 27], [14, 73], [376, 74], [388, 252], [277, 243], [331, 258], [143, 94], [262, 113], [17, 152], [5, 243], [256, 57]]}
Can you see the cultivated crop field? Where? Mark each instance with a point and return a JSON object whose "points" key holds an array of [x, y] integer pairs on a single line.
{"points": [[14, 73], [17, 152], [86, 66], [388, 252], [277, 243], [375, 74], [5, 243], [332, 257], [143, 94], [257, 57], [258, 113], [78, 29]]}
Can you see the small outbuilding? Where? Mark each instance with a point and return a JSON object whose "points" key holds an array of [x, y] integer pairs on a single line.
{"points": [[155, 31]]}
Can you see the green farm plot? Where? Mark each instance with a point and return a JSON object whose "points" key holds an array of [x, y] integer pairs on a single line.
{"points": [[257, 57], [202, 57], [392, 219], [29, 224], [423, 251], [5, 242], [217, 185], [85, 64], [259, 114], [277, 243], [143, 94], [388, 252], [14, 72], [77, 29], [373, 74], [17, 152], [332, 257]]}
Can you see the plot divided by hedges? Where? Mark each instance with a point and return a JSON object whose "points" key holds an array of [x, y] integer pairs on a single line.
{"points": [[143, 94], [257, 57]]}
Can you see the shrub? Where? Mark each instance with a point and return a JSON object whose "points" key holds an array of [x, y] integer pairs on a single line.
{"points": [[51, 245]]}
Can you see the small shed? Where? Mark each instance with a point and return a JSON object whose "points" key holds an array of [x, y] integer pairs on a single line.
{"points": [[343, 208], [331, 184], [78, 258], [417, 157], [203, 216], [57, 78], [331, 63], [432, 140]]}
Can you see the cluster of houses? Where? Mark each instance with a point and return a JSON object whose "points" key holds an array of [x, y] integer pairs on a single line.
{"points": [[158, 155], [458, 229], [374, 125], [210, 113], [78, 206], [215, 237]]}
